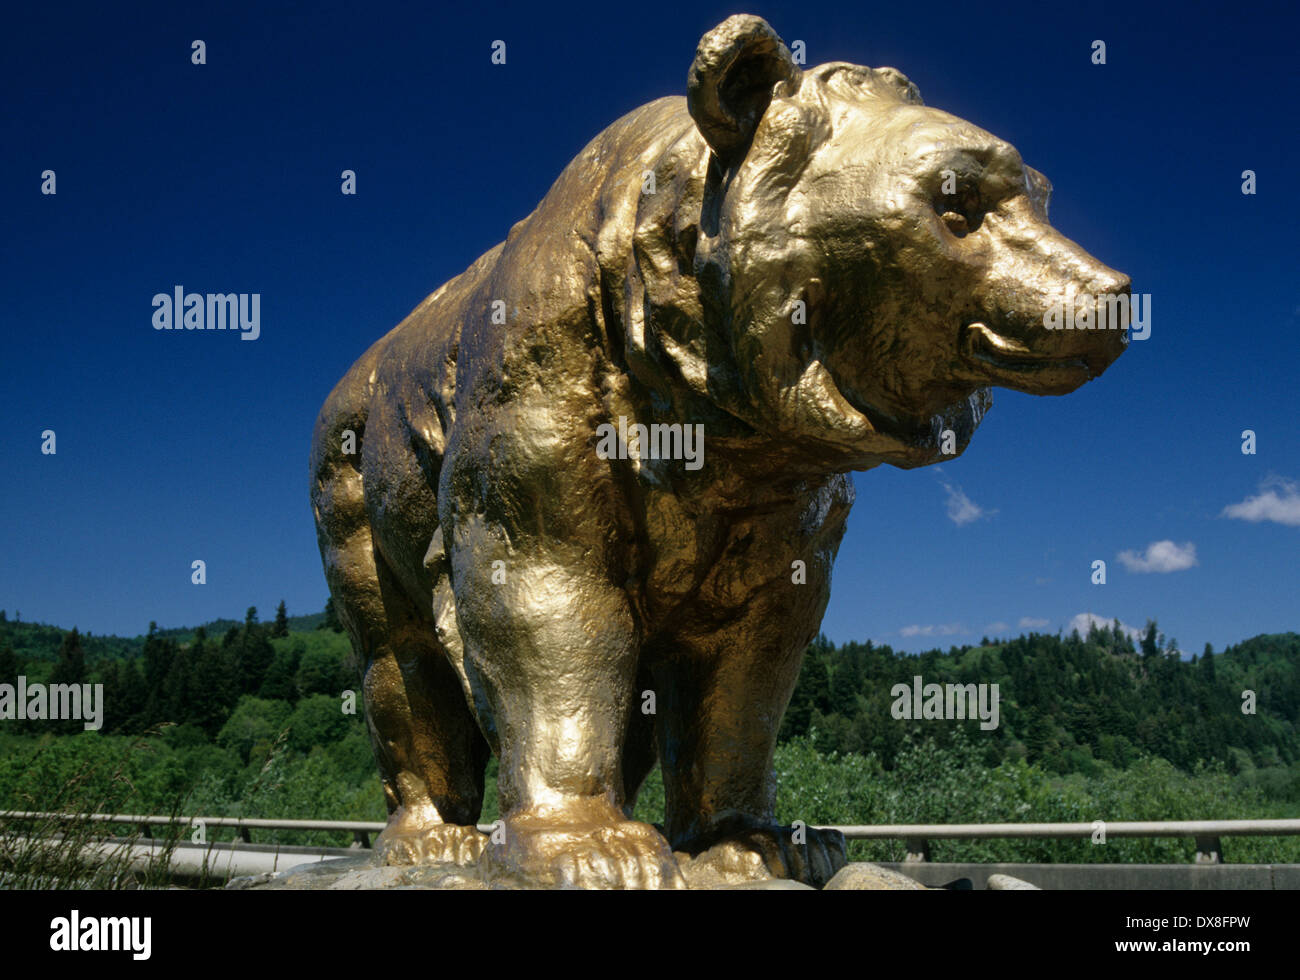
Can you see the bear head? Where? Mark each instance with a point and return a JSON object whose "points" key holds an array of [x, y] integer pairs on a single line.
{"points": [[874, 266]]}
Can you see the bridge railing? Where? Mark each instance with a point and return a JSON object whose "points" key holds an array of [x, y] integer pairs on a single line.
{"points": [[360, 829], [1208, 834]]}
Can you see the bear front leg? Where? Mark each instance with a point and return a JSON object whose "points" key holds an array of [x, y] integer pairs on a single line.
{"points": [[720, 702], [553, 647], [721, 692]]}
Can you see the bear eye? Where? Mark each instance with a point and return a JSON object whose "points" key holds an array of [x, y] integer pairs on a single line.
{"points": [[960, 212], [956, 222]]}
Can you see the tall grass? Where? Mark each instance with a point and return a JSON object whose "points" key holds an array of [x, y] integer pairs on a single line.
{"points": [[64, 847]]}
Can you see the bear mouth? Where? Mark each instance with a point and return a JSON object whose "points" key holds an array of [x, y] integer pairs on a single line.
{"points": [[1007, 362]]}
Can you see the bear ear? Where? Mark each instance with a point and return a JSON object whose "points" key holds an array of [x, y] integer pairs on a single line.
{"points": [[900, 83], [731, 79]]}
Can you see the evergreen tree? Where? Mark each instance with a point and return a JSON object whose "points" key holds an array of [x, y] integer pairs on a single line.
{"points": [[281, 627], [811, 693], [215, 685], [71, 665], [331, 617], [280, 681], [70, 669], [1150, 642], [321, 672], [109, 676], [174, 700], [157, 658], [842, 693], [124, 698], [253, 656], [1123, 642], [10, 668], [1206, 667], [819, 653]]}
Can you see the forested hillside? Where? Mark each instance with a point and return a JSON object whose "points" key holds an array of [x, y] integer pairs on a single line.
{"points": [[1068, 703], [253, 719]]}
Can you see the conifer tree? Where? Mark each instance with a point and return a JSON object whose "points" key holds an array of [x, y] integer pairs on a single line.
{"points": [[281, 627]]}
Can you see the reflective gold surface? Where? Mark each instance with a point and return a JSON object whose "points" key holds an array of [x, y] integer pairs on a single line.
{"points": [[812, 267]]}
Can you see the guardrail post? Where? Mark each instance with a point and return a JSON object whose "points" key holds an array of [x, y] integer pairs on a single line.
{"points": [[245, 835], [1209, 850], [360, 838], [918, 850]]}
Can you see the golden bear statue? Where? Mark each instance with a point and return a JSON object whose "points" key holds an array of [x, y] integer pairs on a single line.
{"points": [[559, 505]]}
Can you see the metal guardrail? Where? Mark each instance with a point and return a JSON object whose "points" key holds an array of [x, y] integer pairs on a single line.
{"points": [[201, 864], [360, 829], [1207, 833]]}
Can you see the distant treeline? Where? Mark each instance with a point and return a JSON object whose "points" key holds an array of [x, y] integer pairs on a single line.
{"points": [[183, 677], [1067, 702], [39, 641]]}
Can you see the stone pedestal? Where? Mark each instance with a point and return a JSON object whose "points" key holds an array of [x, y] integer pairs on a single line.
{"points": [[363, 872]]}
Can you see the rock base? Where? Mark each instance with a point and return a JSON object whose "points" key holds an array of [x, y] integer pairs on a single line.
{"points": [[363, 872]]}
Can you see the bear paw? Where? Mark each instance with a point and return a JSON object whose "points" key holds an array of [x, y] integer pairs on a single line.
{"points": [[571, 847], [757, 853], [410, 841]]}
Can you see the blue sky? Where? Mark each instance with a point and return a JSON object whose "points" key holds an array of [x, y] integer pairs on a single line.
{"points": [[225, 177]]}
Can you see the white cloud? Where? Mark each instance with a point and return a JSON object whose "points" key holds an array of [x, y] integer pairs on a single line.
{"points": [[998, 627], [943, 629], [961, 509], [1160, 556], [1278, 500], [1029, 623], [1084, 621]]}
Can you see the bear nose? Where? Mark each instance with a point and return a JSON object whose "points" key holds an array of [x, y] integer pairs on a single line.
{"points": [[1112, 283]]}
